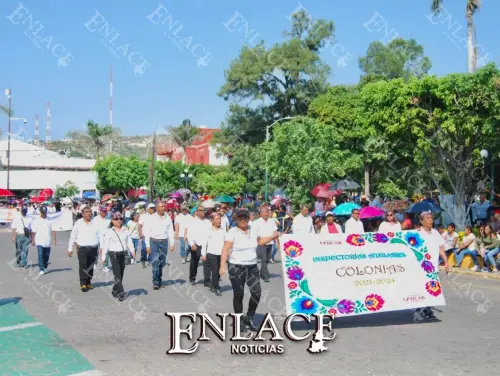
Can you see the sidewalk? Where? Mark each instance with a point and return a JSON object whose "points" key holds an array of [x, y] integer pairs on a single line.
{"points": [[486, 275], [28, 347]]}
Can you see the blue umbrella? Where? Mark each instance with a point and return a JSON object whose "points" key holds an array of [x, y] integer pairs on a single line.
{"points": [[345, 208], [92, 197], [88, 194], [423, 206]]}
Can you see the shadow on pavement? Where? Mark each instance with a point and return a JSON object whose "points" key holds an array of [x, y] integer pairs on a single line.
{"points": [[171, 282], [102, 284], [137, 292], [58, 270]]}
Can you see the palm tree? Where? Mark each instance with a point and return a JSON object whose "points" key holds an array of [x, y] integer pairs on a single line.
{"points": [[5, 110], [471, 8], [184, 135], [96, 136]]}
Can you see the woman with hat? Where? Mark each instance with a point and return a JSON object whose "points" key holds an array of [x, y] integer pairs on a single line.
{"points": [[330, 227], [117, 242], [241, 247]]}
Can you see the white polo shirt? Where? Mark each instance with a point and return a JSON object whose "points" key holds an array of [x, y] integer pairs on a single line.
{"points": [[244, 250], [19, 223], [183, 220], [264, 228], [435, 239], [42, 228]]}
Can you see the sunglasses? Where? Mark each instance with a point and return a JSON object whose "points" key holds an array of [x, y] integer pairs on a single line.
{"points": [[117, 219], [355, 213], [390, 215]]}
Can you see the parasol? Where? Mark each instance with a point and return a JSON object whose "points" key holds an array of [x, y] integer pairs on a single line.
{"points": [[184, 191], [345, 185], [172, 204], [5, 193], [106, 197], [320, 187], [325, 194], [225, 199], [370, 212], [423, 206], [345, 208], [175, 195]]}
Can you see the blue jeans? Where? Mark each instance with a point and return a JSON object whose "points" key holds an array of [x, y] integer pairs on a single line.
{"points": [[489, 258], [184, 246], [460, 256], [275, 250], [22, 247], [43, 257], [144, 256], [159, 255]]}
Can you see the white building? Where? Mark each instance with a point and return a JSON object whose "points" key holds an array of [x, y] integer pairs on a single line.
{"points": [[34, 167]]}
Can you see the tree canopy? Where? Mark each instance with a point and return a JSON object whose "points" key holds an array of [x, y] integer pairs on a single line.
{"points": [[67, 190]]}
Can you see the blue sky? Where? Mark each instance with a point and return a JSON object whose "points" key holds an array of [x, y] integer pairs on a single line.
{"points": [[157, 84]]}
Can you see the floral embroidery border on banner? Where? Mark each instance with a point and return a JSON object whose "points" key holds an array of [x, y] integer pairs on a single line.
{"points": [[304, 302]]}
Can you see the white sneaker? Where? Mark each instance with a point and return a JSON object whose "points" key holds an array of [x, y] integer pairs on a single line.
{"points": [[106, 269], [132, 262], [41, 272], [475, 268]]}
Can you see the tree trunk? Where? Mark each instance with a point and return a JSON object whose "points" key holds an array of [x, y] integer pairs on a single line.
{"points": [[367, 180], [471, 43]]}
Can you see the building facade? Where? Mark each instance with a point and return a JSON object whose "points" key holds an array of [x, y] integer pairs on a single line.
{"points": [[33, 167]]}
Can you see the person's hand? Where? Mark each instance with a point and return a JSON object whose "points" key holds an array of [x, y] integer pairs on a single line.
{"points": [[70, 253], [14, 240], [177, 236], [148, 250], [171, 248], [222, 270], [204, 258], [193, 247]]}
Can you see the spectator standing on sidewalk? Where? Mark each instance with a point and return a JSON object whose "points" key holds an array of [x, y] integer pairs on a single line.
{"points": [[21, 236], [42, 236]]}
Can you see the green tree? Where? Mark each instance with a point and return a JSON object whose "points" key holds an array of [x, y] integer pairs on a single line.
{"points": [[305, 152], [184, 135], [279, 81], [222, 182], [448, 120], [5, 110], [472, 6], [95, 137], [120, 173], [67, 190], [399, 58]]}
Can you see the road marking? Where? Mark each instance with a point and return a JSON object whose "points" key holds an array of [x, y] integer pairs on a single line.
{"points": [[19, 326], [94, 372]]}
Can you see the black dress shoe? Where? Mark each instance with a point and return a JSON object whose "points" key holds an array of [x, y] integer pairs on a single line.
{"points": [[156, 287], [248, 320], [206, 284], [212, 289], [193, 283], [266, 279]]}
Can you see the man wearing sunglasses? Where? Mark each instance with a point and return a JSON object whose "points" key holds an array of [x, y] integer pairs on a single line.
{"points": [[354, 224]]}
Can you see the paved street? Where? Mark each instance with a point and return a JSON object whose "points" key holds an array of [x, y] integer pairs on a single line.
{"points": [[49, 327]]}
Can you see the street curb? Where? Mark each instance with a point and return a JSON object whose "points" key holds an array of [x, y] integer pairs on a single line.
{"points": [[485, 275]]}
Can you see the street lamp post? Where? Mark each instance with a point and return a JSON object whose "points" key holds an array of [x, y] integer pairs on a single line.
{"points": [[9, 97], [267, 140], [186, 177], [484, 153]]}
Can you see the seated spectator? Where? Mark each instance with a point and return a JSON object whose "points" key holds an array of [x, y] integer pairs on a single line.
{"points": [[407, 223], [467, 246], [450, 239], [489, 247]]}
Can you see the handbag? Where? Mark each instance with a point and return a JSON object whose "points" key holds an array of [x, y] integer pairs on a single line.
{"points": [[128, 258], [27, 231]]}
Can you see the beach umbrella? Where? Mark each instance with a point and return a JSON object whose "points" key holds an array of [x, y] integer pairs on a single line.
{"points": [[208, 204], [423, 206], [325, 194], [5, 193], [320, 187], [344, 185], [46, 203], [345, 208], [175, 195], [92, 197], [225, 199], [184, 191], [172, 204], [106, 197], [370, 212]]}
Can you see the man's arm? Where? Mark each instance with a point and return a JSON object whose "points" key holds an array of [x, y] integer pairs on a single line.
{"points": [[72, 238], [223, 258], [176, 230], [54, 238], [171, 236]]}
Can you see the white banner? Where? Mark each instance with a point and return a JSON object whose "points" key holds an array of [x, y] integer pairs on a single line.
{"points": [[61, 221], [346, 275]]}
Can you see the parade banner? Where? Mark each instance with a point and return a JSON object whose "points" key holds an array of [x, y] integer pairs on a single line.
{"points": [[61, 221], [350, 274]]}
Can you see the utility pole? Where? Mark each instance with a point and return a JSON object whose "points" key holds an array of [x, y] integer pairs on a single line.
{"points": [[152, 170], [9, 97]]}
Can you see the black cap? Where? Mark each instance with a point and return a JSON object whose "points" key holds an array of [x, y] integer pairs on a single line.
{"points": [[242, 213], [43, 209]]}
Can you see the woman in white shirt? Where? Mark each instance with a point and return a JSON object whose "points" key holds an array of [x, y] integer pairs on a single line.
{"points": [[133, 228], [243, 265], [211, 251], [390, 224], [117, 242]]}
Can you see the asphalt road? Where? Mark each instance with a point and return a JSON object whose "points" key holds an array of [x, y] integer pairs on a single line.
{"points": [[132, 337]]}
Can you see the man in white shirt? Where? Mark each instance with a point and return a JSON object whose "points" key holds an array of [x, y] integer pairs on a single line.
{"points": [[468, 246], [159, 236], [182, 222], [197, 237], [354, 224], [142, 220], [21, 237], [302, 223], [223, 218], [435, 243], [102, 223], [42, 237], [85, 235], [265, 227]]}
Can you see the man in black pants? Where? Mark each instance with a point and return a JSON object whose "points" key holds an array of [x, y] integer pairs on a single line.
{"points": [[86, 236], [265, 227], [197, 237]]}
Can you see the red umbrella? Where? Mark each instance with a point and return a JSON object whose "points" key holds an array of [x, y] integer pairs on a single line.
{"points": [[370, 212], [172, 204], [47, 192], [325, 194], [6, 193], [320, 187]]}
